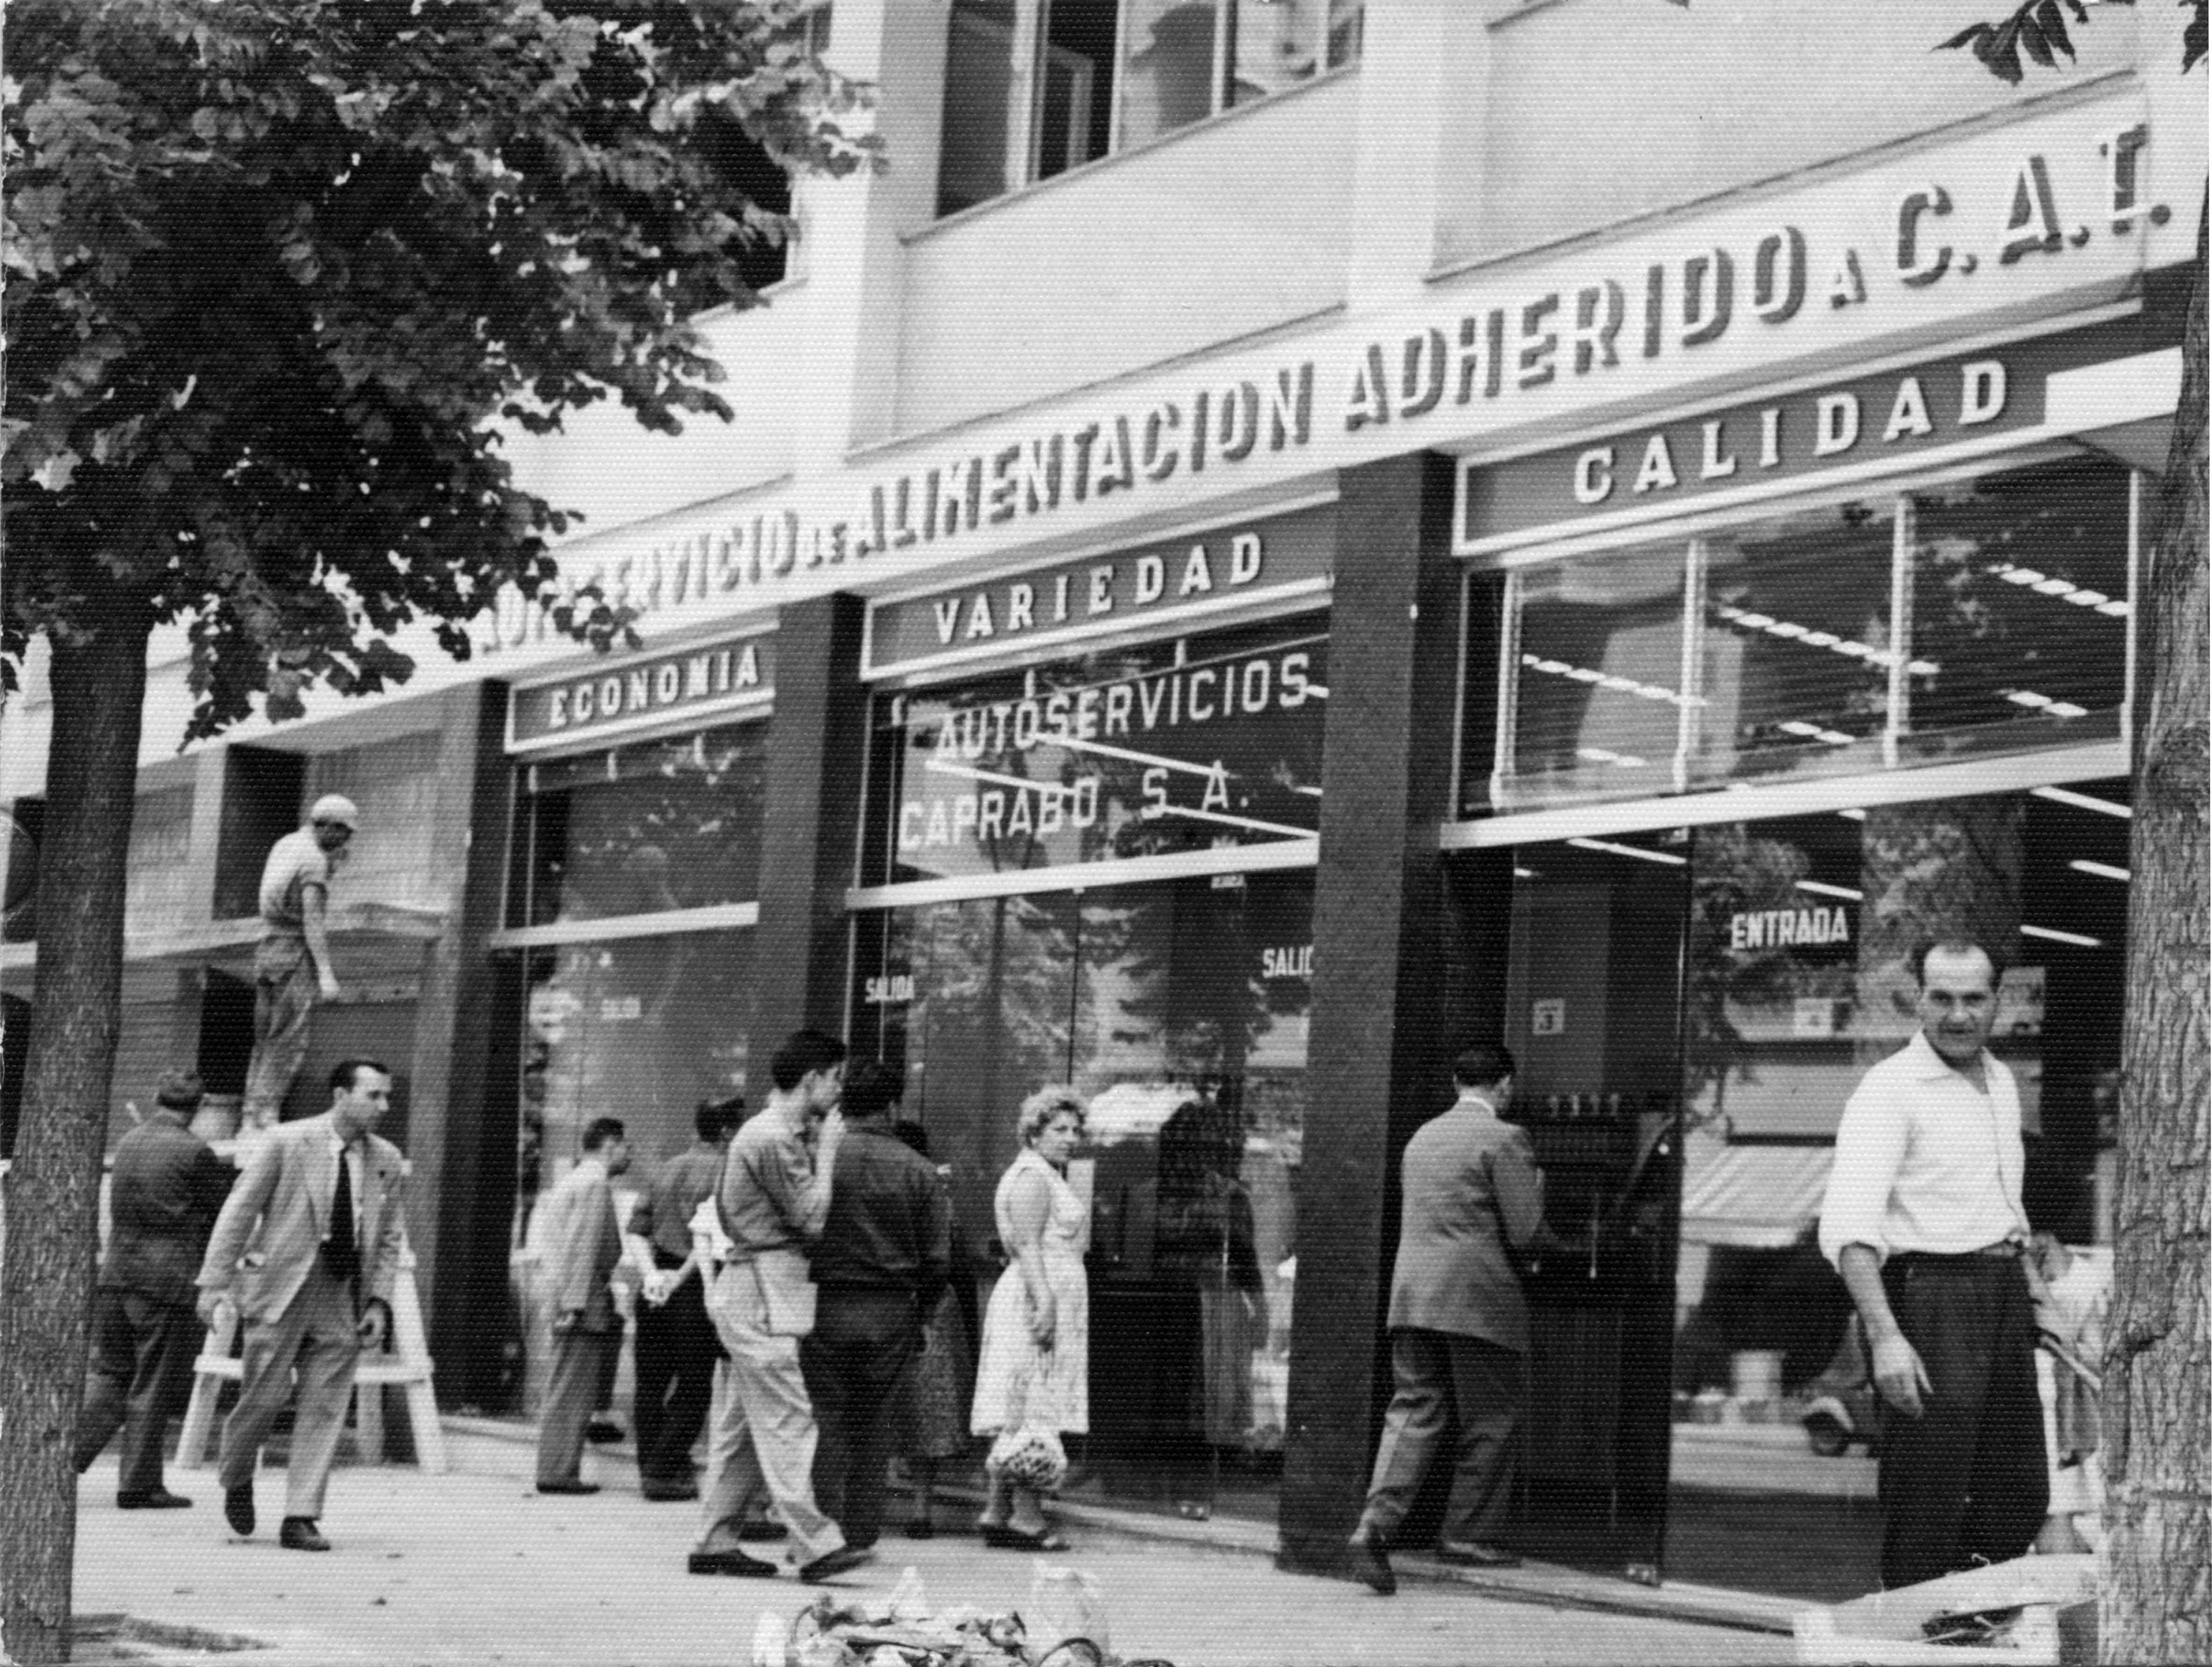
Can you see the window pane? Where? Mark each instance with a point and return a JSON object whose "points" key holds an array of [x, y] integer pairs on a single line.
{"points": [[1795, 645], [1170, 72], [1345, 21], [979, 81], [1273, 43], [2019, 603], [1598, 686], [1075, 103], [639, 829]]}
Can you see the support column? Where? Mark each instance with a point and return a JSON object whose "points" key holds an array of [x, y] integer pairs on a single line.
{"points": [[810, 819], [1379, 1061], [461, 1133]]}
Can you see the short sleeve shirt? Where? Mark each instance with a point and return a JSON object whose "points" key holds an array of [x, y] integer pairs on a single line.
{"points": [[295, 862]]}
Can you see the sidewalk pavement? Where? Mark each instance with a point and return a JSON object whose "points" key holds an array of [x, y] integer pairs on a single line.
{"points": [[474, 1569]]}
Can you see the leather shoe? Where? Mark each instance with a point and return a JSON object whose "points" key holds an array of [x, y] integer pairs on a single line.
{"points": [[1477, 1556], [238, 1507], [1370, 1566], [832, 1563], [757, 1533], [578, 1487], [301, 1534], [153, 1498], [728, 1562]]}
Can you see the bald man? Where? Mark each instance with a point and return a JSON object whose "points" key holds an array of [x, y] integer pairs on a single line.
{"points": [[292, 968]]}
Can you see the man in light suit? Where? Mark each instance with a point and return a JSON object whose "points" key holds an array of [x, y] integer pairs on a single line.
{"points": [[581, 1240], [1459, 1328], [309, 1240]]}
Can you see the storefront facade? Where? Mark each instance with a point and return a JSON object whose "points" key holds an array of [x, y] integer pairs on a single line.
{"points": [[1618, 621]]}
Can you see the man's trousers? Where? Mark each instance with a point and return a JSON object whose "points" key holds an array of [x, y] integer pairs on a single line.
{"points": [[141, 1371], [572, 1394], [675, 1352], [1967, 1482], [1446, 1383], [314, 1338], [764, 1437], [861, 1341], [283, 1002]]}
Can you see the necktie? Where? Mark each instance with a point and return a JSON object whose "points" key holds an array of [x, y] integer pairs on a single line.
{"points": [[340, 1254]]}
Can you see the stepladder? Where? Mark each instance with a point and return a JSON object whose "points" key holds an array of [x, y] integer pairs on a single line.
{"points": [[404, 1363]]}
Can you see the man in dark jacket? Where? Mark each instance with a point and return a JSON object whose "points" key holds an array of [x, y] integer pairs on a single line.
{"points": [[879, 1266], [1459, 1328], [166, 1190]]}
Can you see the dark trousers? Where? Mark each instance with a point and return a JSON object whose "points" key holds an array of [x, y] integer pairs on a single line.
{"points": [[861, 1341], [676, 1351], [1967, 1480], [141, 1371], [572, 1394], [1467, 1386]]}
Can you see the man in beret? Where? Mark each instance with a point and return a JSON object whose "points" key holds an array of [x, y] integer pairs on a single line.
{"points": [[166, 1190], [292, 968]]}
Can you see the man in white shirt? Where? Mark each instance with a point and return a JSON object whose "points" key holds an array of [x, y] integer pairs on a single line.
{"points": [[292, 969], [1922, 1219]]}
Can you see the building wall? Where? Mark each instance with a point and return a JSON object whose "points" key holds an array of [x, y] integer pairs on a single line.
{"points": [[1235, 227], [1700, 101]]}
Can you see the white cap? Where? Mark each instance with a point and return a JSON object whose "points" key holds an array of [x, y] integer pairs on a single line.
{"points": [[336, 808]]}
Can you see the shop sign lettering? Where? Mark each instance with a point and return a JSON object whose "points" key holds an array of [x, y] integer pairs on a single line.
{"points": [[1293, 961], [1788, 928], [2083, 185], [1891, 415], [887, 991], [1179, 577], [698, 680]]}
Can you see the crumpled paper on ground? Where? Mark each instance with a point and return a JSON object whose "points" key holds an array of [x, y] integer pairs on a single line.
{"points": [[902, 1630]]}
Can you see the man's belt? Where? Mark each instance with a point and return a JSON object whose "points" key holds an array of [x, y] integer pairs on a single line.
{"points": [[2005, 1250]]}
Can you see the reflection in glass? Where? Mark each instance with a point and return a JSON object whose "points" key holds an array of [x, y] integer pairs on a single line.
{"points": [[1598, 692], [1795, 643], [979, 83], [1272, 46], [2020, 600], [1180, 1010], [1168, 70], [642, 828], [641, 1029]]}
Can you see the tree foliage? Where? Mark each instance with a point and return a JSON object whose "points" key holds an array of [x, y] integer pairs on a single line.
{"points": [[2037, 27], [279, 271]]}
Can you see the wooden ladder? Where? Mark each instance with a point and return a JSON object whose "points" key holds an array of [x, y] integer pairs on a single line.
{"points": [[407, 1364]]}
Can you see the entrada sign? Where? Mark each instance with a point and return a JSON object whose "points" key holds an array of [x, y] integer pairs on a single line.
{"points": [[1178, 577], [687, 682]]}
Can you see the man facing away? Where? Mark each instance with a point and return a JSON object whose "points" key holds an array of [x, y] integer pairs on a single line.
{"points": [[1922, 1219], [774, 1197], [676, 1348], [1459, 1328], [880, 1265], [581, 1240], [292, 968], [310, 1240], [165, 1191]]}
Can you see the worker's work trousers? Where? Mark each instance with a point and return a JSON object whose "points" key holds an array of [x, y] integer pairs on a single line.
{"points": [[284, 993]]}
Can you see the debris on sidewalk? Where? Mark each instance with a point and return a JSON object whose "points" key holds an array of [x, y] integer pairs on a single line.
{"points": [[902, 1630]]}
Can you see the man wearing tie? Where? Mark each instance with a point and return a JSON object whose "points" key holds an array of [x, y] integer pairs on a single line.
{"points": [[309, 1240]]}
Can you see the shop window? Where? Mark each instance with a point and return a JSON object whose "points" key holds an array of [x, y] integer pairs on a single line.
{"points": [[641, 828], [1180, 1009], [1190, 745], [1985, 615], [1033, 88]]}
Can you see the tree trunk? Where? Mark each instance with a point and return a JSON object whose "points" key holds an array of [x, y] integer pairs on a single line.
{"points": [[2156, 1600], [45, 1288]]}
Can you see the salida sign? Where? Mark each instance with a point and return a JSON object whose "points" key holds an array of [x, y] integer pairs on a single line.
{"points": [[2067, 192]]}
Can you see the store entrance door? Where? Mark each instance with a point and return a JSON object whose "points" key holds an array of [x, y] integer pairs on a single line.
{"points": [[1585, 987]]}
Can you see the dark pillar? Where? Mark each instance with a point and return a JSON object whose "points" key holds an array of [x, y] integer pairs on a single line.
{"points": [[461, 1133], [818, 744], [1377, 1066]]}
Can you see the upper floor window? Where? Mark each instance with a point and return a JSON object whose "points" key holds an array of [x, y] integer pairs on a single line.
{"points": [[1034, 88]]}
